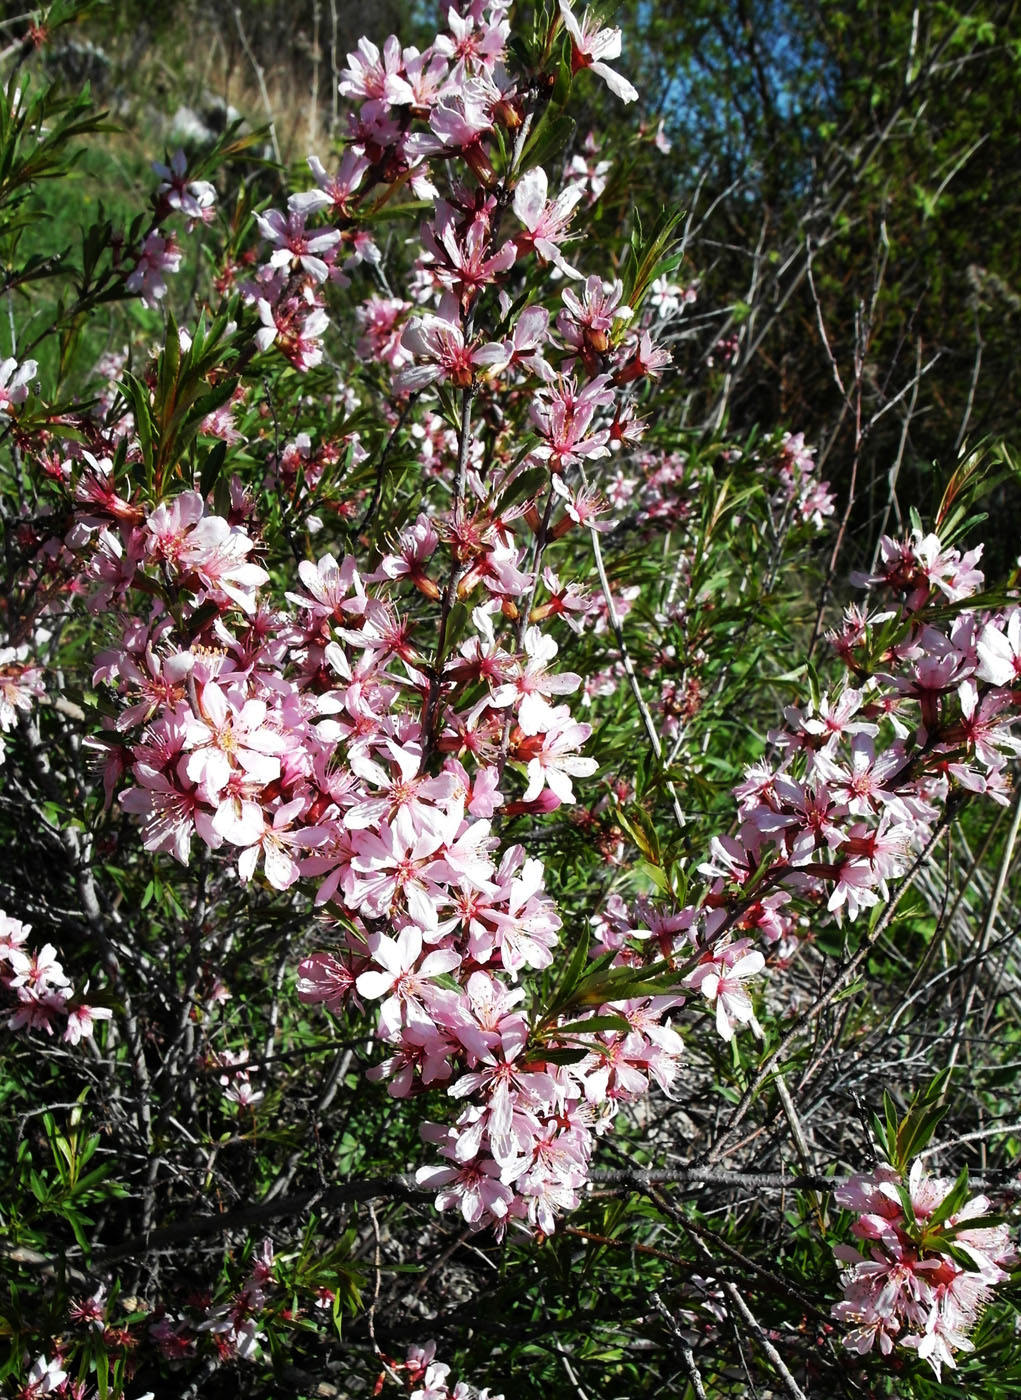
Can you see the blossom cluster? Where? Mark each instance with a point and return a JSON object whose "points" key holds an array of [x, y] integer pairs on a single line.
{"points": [[229, 1328], [241, 736], [927, 1264], [328, 742], [303, 742], [799, 490], [233, 1329], [46, 1376], [160, 253], [232, 1325], [416, 109], [42, 994], [235, 1077], [21, 684], [419, 111], [428, 1379], [854, 783], [314, 681]]}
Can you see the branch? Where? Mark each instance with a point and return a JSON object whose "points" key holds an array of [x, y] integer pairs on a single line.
{"points": [[398, 1187], [629, 670], [837, 983]]}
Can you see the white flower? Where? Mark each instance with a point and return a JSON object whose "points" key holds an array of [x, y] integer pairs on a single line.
{"points": [[590, 45], [14, 382]]}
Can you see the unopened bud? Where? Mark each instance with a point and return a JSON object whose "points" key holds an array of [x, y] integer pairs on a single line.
{"points": [[507, 114], [478, 163], [425, 585], [470, 581], [547, 801], [630, 372]]}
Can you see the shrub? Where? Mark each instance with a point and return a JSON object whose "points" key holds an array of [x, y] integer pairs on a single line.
{"points": [[394, 691]]}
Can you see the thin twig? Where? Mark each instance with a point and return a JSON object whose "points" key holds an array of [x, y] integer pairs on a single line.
{"points": [[260, 78], [684, 1350], [836, 984], [986, 934], [632, 678], [733, 1295]]}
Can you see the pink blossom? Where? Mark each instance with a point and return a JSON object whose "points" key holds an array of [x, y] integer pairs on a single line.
{"points": [[296, 327], [194, 198], [473, 1187], [546, 221], [229, 735], [556, 760], [371, 74], [461, 257], [81, 1019], [529, 689], [720, 977], [999, 650], [338, 189], [158, 255], [293, 244], [439, 341], [20, 685], [563, 417], [476, 39]]}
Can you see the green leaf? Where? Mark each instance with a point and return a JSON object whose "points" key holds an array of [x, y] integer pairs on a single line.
{"points": [[920, 1122], [457, 624], [952, 1201], [550, 137], [140, 403], [526, 486], [102, 1372], [956, 1252], [594, 1024], [562, 86], [560, 1057], [571, 978], [211, 467]]}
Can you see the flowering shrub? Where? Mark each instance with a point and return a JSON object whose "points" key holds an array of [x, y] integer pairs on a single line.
{"points": [[389, 676]]}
